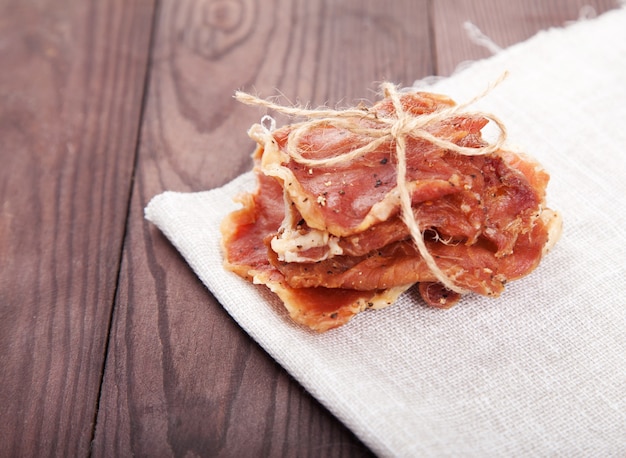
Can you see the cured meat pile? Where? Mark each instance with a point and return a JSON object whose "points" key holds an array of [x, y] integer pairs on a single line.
{"points": [[355, 207]]}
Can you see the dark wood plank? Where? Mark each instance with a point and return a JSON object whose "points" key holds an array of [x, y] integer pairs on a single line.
{"points": [[181, 377], [504, 23], [70, 94]]}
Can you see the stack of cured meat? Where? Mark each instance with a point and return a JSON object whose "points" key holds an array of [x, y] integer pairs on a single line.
{"points": [[354, 207]]}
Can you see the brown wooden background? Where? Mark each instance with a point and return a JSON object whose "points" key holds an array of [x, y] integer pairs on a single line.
{"points": [[109, 345]]}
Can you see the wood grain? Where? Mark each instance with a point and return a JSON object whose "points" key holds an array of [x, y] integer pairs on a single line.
{"points": [[181, 377], [70, 95], [502, 23]]}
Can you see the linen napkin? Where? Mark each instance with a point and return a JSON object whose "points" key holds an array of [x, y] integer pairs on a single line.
{"points": [[540, 370]]}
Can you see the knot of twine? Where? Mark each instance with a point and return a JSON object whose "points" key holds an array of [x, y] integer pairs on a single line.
{"points": [[385, 129]]}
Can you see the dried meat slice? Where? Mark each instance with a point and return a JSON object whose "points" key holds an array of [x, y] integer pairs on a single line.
{"points": [[474, 267], [244, 231], [347, 198], [321, 308], [504, 194]]}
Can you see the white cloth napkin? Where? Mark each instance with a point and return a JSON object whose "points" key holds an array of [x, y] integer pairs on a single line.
{"points": [[539, 371]]}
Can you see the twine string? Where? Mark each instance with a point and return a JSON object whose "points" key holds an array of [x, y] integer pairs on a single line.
{"points": [[378, 131]]}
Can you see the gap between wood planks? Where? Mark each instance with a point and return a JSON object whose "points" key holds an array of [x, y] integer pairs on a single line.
{"points": [[144, 100]]}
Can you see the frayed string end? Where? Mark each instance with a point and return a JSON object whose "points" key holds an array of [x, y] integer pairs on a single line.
{"points": [[477, 37]]}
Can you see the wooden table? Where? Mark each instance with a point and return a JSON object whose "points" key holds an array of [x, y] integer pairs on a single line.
{"points": [[109, 345]]}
